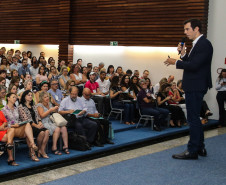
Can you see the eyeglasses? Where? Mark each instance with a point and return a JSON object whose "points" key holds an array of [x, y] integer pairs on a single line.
{"points": [[54, 84], [126, 78], [87, 94]]}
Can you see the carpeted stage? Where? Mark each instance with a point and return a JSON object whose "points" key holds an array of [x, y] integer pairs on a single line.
{"points": [[124, 136], [160, 169]]}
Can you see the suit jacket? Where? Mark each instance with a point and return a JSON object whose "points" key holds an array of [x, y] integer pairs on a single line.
{"points": [[197, 67]]}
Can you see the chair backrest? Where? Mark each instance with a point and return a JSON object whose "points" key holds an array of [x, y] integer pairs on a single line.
{"points": [[110, 103]]}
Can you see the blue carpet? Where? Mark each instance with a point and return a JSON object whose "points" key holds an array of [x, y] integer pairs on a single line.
{"points": [[125, 135], [160, 169]]}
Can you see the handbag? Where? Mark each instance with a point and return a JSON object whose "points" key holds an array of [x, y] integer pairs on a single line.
{"points": [[58, 120]]}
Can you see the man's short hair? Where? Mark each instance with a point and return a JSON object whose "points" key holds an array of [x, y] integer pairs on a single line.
{"points": [[2, 71], [101, 72], [53, 80], [194, 23], [129, 71], [24, 60]]}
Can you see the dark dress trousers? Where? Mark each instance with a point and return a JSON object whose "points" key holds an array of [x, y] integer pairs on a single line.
{"points": [[196, 81]]}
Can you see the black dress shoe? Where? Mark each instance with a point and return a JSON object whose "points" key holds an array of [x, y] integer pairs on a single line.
{"points": [[202, 152], [98, 144], [109, 142], [156, 128], [185, 155]]}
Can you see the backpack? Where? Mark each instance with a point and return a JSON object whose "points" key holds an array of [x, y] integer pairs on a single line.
{"points": [[77, 142]]}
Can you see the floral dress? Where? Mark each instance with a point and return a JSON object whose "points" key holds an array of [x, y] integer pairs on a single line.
{"points": [[12, 116]]}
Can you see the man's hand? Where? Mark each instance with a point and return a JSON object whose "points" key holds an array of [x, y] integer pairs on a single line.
{"points": [[96, 115], [170, 61], [82, 112], [70, 111], [181, 49]]}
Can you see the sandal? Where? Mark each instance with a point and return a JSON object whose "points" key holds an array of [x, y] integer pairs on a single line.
{"points": [[33, 156], [66, 151], [9, 146], [12, 163], [45, 156], [56, 152], [127, 123], [132, 123], [34, 147]]}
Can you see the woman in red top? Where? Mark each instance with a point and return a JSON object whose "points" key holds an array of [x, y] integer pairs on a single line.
{"points": [[6, 133]]}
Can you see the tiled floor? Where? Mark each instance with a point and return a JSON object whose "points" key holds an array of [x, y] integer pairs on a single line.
{"points": [[103, 161]]}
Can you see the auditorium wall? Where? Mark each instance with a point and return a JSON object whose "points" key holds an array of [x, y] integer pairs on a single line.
{"points": [[141, 58], [216, 34]]}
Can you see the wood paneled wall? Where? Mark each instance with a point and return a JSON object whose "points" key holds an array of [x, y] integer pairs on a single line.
{"points": [[97, 22], [133, 22]]}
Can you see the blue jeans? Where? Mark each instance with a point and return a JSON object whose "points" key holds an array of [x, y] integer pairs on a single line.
{"points": [[128, 110], [160, 114], [193, 105]]}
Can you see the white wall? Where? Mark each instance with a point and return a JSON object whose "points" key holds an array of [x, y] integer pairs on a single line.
{"points": [[216, 34], [50, 50], [140, 58]]}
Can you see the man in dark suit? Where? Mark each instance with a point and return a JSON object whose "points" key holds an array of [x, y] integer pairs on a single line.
{"points": [[196, 82]]}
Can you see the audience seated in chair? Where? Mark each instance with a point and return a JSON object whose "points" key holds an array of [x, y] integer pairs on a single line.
{"points": [[147, 104], [163, 97], [28, 111], [78, 122], [92, 113], [117, 101], [11, 114], [78, 78], [55, 92], [45, 109], [2, 96], [97, 96], [63, 79]]}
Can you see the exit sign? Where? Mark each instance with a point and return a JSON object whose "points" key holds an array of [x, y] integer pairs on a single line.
{"points": [[113, 43], [16, 41]]}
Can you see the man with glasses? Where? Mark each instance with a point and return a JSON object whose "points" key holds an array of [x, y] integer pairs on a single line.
{"points": [[2, 96], [92, 114], [73, 109], [55, 92]]}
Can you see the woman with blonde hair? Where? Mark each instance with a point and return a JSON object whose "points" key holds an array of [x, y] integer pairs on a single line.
{"points": [[45, 109], [64, 77], [70, 83]]}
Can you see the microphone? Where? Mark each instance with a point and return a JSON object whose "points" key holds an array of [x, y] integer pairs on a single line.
{"points": [[182, 43]]}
